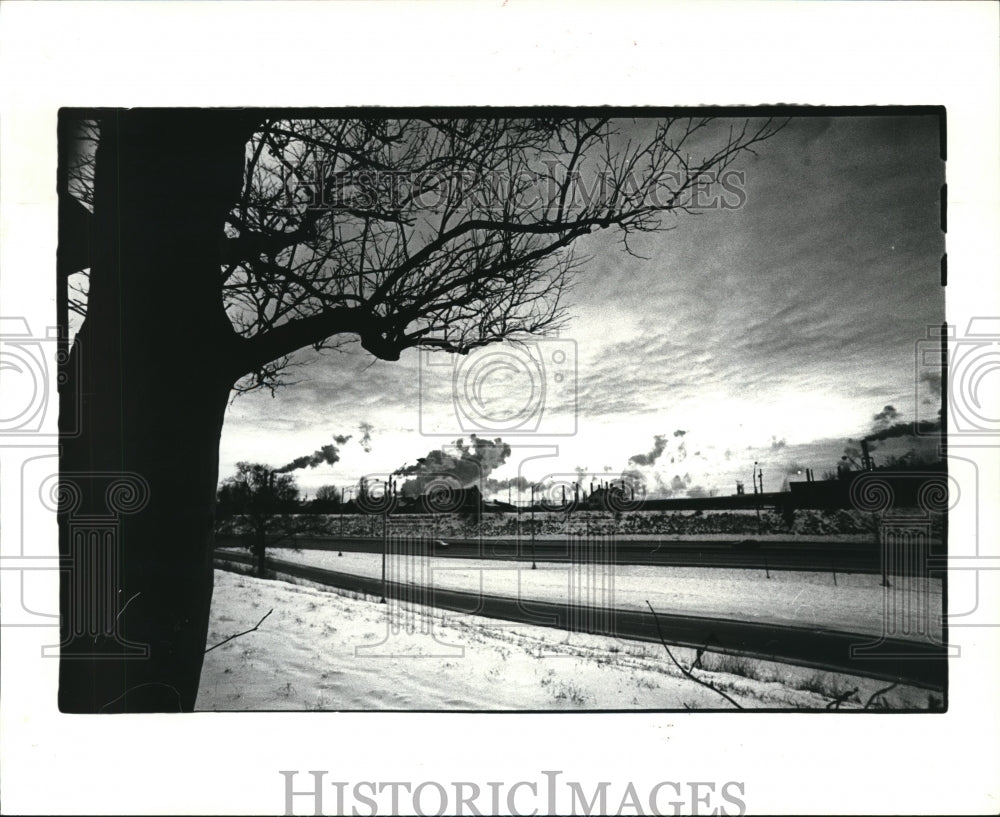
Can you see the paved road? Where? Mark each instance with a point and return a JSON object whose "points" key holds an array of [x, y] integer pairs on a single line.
{"points": [[819, 556], [909, 662]]}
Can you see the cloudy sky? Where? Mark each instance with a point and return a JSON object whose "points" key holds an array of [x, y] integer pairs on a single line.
{"points": [[768, 333]]}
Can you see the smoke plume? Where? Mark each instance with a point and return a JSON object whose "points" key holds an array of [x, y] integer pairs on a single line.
{"points": [[661, 486], [905, 429], [366, 437], [326, 454], [461, 465], [699, 491], [518, 483], [634, 480], [884, 426], [885, 418], [659, 445]]}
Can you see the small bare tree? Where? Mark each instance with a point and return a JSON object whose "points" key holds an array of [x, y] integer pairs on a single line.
{"points": [[265, 503]]}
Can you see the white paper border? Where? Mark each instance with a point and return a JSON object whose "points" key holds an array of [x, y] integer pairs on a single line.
{"points": [[510, 53]]}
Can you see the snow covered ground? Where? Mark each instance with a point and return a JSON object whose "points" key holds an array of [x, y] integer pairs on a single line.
{"points": [[855, 603], [321, 649]]}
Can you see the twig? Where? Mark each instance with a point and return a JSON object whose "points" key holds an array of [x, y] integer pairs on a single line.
{"points": [[140, 686], [227, 640], [841, 698], [686, 672], [879, 693], [702, 650]]}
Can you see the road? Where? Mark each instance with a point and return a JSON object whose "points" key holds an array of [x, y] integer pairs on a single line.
{"points": [[816, 556], [896, 660]]}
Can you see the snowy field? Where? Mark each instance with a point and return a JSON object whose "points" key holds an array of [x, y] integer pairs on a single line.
{"points": [[321, 649], [854, 604]]}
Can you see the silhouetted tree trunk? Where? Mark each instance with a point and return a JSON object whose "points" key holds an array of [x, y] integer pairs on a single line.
{"points": [[149, 378]]}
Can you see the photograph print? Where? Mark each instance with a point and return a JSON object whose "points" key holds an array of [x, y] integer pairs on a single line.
{"points": [[502, 410]]}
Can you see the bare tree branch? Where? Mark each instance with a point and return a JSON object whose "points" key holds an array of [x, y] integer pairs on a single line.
{"points": [[879, 693], [245, 632], [445, 234], [687, 673], [840, 698]]}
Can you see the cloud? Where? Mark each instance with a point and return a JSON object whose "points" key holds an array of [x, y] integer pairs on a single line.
{"points": [[816, 289], [932, 377]]}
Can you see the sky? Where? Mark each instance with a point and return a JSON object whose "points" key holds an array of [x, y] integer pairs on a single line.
{"points": [[770, 333]]}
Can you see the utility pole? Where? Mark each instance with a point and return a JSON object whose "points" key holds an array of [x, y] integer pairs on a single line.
{"points": [[340, 505], [533, 565], [517, 511], [386, 501], [756, 495]]}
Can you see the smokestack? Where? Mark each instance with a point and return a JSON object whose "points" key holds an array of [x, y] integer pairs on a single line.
{"points": [[866, 460]]}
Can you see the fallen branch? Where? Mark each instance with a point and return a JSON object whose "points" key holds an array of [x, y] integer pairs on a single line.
{"points": [[879, 693], [837, 700], [227, 640], [684, 671]]}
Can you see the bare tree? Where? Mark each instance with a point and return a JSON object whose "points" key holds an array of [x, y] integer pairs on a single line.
{"points": [[264, 502], [220, 242], [328, 497]]}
